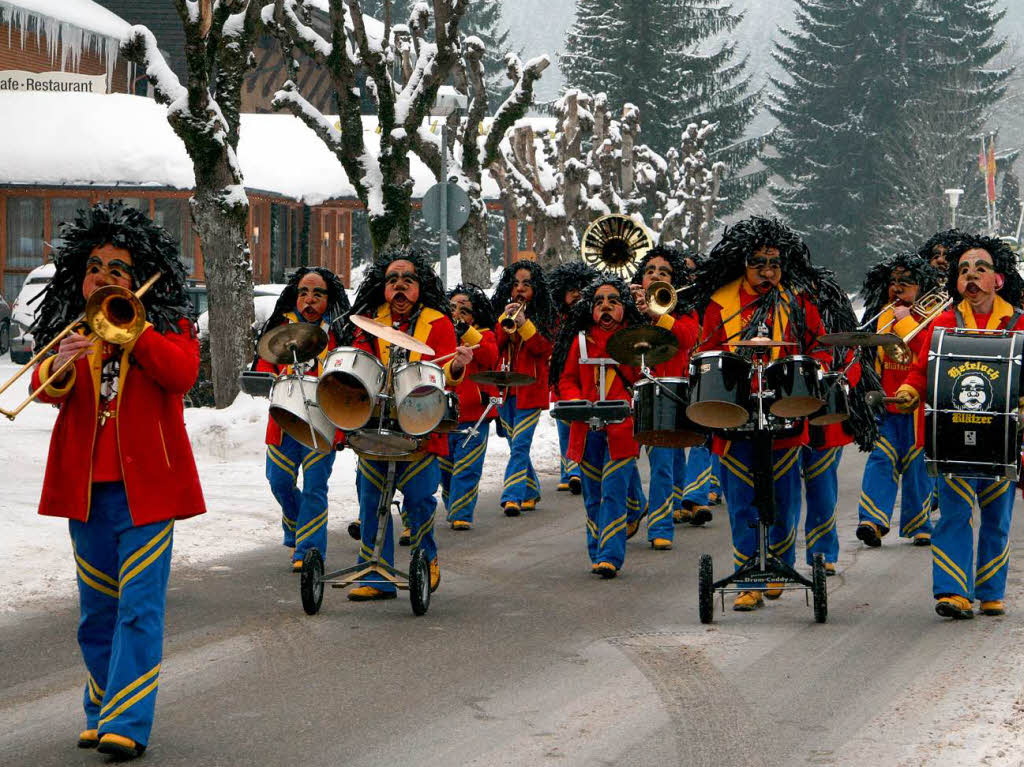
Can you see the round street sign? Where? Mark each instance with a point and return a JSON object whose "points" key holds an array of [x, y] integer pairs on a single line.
{"points": [[458, 207]]}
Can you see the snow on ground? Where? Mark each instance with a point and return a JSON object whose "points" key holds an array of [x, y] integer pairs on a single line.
{"points": [[241, 512]]}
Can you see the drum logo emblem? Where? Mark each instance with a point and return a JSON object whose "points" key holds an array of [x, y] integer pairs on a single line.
{"points": [[972, 392]]}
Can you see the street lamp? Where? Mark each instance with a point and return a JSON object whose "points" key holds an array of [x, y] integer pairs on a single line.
{"points": [[954, 200], [447, 102]]}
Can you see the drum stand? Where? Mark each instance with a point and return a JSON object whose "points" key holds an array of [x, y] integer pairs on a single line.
{"points": [[416, 581], [763, 567]]}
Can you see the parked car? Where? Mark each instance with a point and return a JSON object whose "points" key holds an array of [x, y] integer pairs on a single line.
{"points": [[5, 325], [197, 295], [23, 312]]}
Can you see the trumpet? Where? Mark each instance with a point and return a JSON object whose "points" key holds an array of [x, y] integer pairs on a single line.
{"points": [[508, 322], [661, 297], [113, 313]]}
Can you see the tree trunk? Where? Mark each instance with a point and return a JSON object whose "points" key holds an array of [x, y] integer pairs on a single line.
{"points": [[228, 269], [476, 266]]}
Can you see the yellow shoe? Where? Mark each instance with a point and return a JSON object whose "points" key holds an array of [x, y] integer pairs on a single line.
{"points": [[511, 509], [406, 537], [699, 515], [88, 738], [679, 516], [633, 527], [297, 566], [746, 601], [529, 505], [830, 568], [661, 544], [993, 607], [955, 607], [606, 569], [575, 485], [562, 487], [435, 574], [461, 524], [870, 533], [923, 539], [366, 593], [774, 590], [714, 498], [120, 747]]}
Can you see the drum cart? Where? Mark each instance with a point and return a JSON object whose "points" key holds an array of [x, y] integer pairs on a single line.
{"points": [[763, 566]]}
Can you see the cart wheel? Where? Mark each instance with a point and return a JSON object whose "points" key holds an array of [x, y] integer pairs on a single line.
{"points": [[311, 587], [705, 594], [820, 590], [419, 582]]}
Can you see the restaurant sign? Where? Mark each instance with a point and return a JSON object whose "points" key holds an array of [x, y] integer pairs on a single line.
{"points": [[51, 82]]}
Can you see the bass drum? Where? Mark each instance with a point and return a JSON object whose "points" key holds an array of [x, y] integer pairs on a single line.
{"points": [[419, 397], [659, 418], [719, 390], [293, 407], [970, 417], [349, 385]]}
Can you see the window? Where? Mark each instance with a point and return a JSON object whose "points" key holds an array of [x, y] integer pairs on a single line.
{"points": [[24, 240], [173, 215], [62, 211]]}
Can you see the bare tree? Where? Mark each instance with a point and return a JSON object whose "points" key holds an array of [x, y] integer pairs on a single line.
{"points": [[686, 215], [205, 115], [382, 179]]}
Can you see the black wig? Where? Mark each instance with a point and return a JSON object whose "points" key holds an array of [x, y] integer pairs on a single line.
{"points": [[540, 310], [152, 250], [681, 275], [572, 275], [370, 294], [875, 290], [483, 314], [727, 262], [337, 299], [1004, 260], [947, 238], [581, 319]]}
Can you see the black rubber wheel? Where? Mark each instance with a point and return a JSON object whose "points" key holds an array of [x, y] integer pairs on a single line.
{"points": [[419, 582], [820, 590], [355, 530], [311, 586], [705, 594]]}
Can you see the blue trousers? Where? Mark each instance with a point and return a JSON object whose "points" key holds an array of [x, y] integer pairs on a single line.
{"points": [[953, 541], [521, 483], [636, 501], [569, 468], [461, 472], [417, 481], [893, 455], [661, 496], [122, 594], [738, 484], [303, 513], [820, 470], [697, 476], [605, 486]]}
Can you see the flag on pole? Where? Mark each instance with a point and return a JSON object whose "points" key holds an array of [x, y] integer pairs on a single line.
{"points": [[990, 169]]}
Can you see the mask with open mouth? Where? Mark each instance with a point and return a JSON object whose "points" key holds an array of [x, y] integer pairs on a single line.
{"points": [[608, 309]]}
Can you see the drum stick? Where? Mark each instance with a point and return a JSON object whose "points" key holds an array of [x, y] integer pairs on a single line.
{"points": [[449, 356], [875, 398]]}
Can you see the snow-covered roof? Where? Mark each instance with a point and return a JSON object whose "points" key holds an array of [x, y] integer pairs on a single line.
{"points": [[84, 14], [80, 139]]}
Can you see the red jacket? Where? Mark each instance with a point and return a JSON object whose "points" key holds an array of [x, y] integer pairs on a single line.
{"points": [[433, 329], [530, 353], [581, 382], [686, 329], [474, 398], [159, 471], [273, 430], [715, 336], [892, 373]]}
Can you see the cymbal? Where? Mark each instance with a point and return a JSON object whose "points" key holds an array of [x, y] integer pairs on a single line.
{"points": [[389, 334], [643, 345], [296, 340], [858, 338], [762, 342], [501, 378]]}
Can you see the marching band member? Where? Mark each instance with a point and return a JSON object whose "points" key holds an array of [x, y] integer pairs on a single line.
{"points": [[402, 290], [983, 276], [759, 274], [820, 458], [896, 457], [606, 456], [120, 465], [666, 265], [566, 282], [522, 295], [462, 468], [315, 295]]}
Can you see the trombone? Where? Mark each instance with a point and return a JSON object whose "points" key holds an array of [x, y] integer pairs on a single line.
{"points": [[114, 314], [923, 306], [928, 307]]}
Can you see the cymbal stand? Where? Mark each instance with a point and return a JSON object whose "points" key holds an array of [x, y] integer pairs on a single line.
{"points": [[300, 369], [493, 402]]}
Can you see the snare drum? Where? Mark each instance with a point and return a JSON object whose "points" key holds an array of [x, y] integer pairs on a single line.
{"points": [[719, 390], [419, 397], [381, 439], [450, 422], [837, 401], [294, 409], [970, 415], [349, 385], [797, 385], [659, 419]]}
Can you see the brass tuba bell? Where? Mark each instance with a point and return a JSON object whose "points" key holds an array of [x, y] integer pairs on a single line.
{"points": [[615, 243]]}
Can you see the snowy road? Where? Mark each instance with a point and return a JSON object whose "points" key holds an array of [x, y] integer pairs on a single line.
{"points": [[524, 657]]}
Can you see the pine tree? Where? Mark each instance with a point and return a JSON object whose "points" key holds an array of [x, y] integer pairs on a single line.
{"points": [[654, 54]]}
